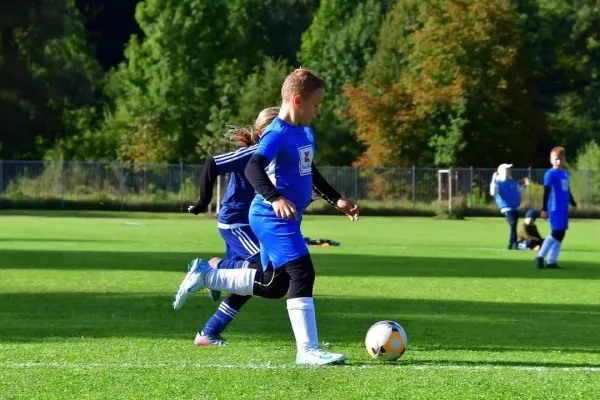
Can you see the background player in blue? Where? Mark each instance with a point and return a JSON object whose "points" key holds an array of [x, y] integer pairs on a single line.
{"points": [[283, 173], [241, 245], [507, 192], [557, 197]]}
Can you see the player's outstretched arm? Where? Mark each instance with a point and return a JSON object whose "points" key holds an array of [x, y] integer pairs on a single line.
{"points": [[219, 164], [330, 195], [207, 183]]}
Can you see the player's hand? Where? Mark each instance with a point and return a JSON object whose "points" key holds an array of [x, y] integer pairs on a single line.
{"points": [[284, 208], [544, 215], [349, 208], [526, 181], [494, 175], [195, 210]]}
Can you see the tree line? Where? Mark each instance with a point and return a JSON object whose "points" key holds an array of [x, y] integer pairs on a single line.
{"points": [[409, 82]]}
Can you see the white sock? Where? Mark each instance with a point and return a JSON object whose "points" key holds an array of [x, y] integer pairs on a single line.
{"points": [[237, 281], [304, 324], [554, 252], [546, 246]]}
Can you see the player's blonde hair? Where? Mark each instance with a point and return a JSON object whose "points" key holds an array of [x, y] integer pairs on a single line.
{"points": [[249, 135], [301, 81], [558, 151]]}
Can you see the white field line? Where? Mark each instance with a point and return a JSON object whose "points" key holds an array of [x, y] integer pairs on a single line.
{"points": [[159, 365]]}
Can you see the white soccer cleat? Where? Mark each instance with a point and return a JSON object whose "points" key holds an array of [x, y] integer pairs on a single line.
{"points": [[319, 357], [193, 281]]}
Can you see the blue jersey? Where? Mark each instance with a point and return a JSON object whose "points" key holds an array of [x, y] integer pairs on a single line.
{"points": [[290, 151], [558, 180], [240, 193], [508, 195]]}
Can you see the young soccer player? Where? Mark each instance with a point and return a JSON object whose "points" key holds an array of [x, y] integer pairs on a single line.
{"points": [[296, 177], [557, 197], [528, 236], [507, 193], [241, 245], [283, 173]]}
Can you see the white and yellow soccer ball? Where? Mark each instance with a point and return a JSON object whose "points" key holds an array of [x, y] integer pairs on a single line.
{"points": [[386, 341]]}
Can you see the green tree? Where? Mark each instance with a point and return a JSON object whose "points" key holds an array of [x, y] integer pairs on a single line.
{"points": [[445, 87], [49, 79], [337, 46]]}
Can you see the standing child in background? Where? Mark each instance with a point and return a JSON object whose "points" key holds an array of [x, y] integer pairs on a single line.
{"points": [[527, 235], [507, 193], [557, 197]]}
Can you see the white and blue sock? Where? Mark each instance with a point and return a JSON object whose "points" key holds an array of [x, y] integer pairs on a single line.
{"points": [[554, 252], [546, 246], [221, 318]]}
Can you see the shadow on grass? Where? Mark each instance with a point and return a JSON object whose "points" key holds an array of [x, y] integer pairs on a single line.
{"points": [[430, 324], [325, 264]]}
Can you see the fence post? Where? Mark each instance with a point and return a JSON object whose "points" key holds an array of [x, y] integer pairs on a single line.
{"points": [[450, 190], [180, 186], [1, 181], [355, 182], [62, 185], [122, 186], [413, 186], [471, 178], [529, 176]]}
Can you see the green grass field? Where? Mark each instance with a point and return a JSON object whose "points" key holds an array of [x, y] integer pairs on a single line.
{"points": [[85, 312]]}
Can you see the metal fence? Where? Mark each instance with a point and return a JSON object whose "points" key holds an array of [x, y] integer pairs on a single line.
{"points": [[116, 185]]}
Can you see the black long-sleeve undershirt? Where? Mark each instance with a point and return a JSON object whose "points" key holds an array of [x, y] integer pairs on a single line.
{"points": [[208, 178], [256, 175], [258, 178], [323, 188]]}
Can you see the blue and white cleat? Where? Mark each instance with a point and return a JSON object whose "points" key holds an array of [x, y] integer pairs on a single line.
{"points": [[319, 357], [193, 281]]}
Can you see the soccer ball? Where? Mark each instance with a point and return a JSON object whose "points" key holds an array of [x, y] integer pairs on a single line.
{"points": [[386, 341]]}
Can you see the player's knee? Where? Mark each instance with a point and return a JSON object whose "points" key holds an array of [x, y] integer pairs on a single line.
{"points": [[302, 277], [280, 286], [558, 235], [274, 284]]}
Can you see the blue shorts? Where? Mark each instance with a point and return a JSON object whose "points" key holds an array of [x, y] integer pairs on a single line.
{"points": [[280, 239], [559, 220], [240, 244]]}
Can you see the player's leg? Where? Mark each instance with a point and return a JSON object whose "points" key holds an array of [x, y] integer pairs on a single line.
{"points": [[241, 249], [285, 246], [512, 217], [559, 224], [210, 334]]}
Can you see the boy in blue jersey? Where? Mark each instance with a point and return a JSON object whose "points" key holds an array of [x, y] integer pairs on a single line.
{"points": [[555, 206], [283, 173], [507, 192], [241, 245], [278, 225]]}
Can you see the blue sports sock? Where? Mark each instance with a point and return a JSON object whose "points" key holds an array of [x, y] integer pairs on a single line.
{"points": [[554, 252], [221, 318], [233, 264], [546, 246]]}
